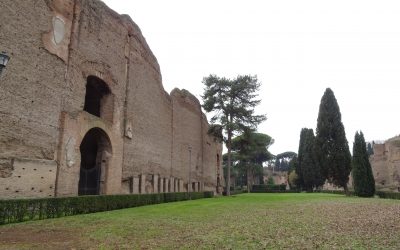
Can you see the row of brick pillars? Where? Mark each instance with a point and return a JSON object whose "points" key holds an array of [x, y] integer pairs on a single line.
{"points": [[161, 185]]}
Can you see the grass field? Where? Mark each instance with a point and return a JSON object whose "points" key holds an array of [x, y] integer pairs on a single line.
{"points": [[247, 221]]}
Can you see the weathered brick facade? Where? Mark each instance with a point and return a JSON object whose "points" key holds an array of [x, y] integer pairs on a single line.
{"points": [[385, 164], [83, 109]]}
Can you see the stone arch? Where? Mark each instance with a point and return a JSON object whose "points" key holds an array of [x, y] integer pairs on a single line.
{"points": [[99, 100], [96, 153]]}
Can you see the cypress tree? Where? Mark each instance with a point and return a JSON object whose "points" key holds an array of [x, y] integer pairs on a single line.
{"points": [[299, 171], [310, 171], [331, 146], [363, 179]]}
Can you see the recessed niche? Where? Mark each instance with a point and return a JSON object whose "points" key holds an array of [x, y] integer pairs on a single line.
{"points": [[59, 30]]}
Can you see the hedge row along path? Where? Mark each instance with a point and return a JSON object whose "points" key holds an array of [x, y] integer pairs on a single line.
{"points": [[254, 221]]}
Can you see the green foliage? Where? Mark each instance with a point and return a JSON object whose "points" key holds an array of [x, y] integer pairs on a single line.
{"points": [[232, 102], [283, 160], [332, 149], [270, 181], [293, 164], [269, 188], [363, 179], [349, 193], [37, 209], [308, 170], [370, 149], [293, 179], [216, 131], [249, 152], [388, 195]]}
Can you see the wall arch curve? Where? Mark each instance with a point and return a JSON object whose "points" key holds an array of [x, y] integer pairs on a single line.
{"points": [[96, 154]]}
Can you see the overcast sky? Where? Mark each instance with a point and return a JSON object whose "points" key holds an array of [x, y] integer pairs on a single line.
{"points": [[296, 48]]}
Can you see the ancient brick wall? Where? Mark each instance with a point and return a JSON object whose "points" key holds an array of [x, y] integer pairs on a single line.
{"points": [[385, 164], [57, 48], [31, 88]]}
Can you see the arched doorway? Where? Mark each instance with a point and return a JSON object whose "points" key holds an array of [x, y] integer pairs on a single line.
{"points": [[96, 153]]}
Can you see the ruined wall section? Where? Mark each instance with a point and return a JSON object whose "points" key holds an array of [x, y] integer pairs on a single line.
{"points": [[97, 48], [212, 160], [31, 86], [149, 118], [100, 46], [385, 164], [378, 163], [187, 132], [55, 46]]}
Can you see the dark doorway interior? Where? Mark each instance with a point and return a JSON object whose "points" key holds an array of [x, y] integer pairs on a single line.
{"points": [[96, 92], [93, 162]]}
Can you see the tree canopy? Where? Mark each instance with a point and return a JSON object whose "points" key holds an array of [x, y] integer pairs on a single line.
{"points": [[363, 179], [331, 146], [249, 152], [308, 171], [232, 103], [282, 160]]}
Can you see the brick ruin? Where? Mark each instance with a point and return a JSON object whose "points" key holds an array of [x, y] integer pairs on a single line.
{"points": [[385, 164], [83, 109]]}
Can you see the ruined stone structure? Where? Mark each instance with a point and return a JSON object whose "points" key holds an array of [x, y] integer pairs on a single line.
{"points": [[83, 109], [279, 177], [385, 164]]}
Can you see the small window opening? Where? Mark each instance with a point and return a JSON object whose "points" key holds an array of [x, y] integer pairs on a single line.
{"points": [[98, 98]]}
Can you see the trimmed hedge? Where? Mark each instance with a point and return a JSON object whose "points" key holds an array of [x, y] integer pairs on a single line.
{"points": [[269, 188], [235, 192], [350, 193], [19, 210], [388, 195]]}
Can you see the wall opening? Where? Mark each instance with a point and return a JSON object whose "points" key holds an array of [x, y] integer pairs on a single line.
{"points": [[98, 98], [95, 156]]}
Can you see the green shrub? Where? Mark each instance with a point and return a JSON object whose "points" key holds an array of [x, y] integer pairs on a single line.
{"points": [[269, 188], [235, 192], [36, 209], [388, 195]]}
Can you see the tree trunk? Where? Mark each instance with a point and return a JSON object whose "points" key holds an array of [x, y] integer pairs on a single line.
{"points": [[346, 190], [228, 171], [248, 180]]}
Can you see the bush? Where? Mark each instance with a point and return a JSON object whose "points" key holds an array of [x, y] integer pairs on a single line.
{"points": [[388, 195], [269, 188], [234, 192], [350, 193], [12, 211]]}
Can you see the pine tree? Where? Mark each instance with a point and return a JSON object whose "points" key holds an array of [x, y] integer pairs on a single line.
{"points": [[363, 179], [331, 146], [232, 102]]}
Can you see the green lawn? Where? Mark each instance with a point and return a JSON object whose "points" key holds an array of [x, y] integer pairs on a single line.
{"points": [[247, 221]]}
